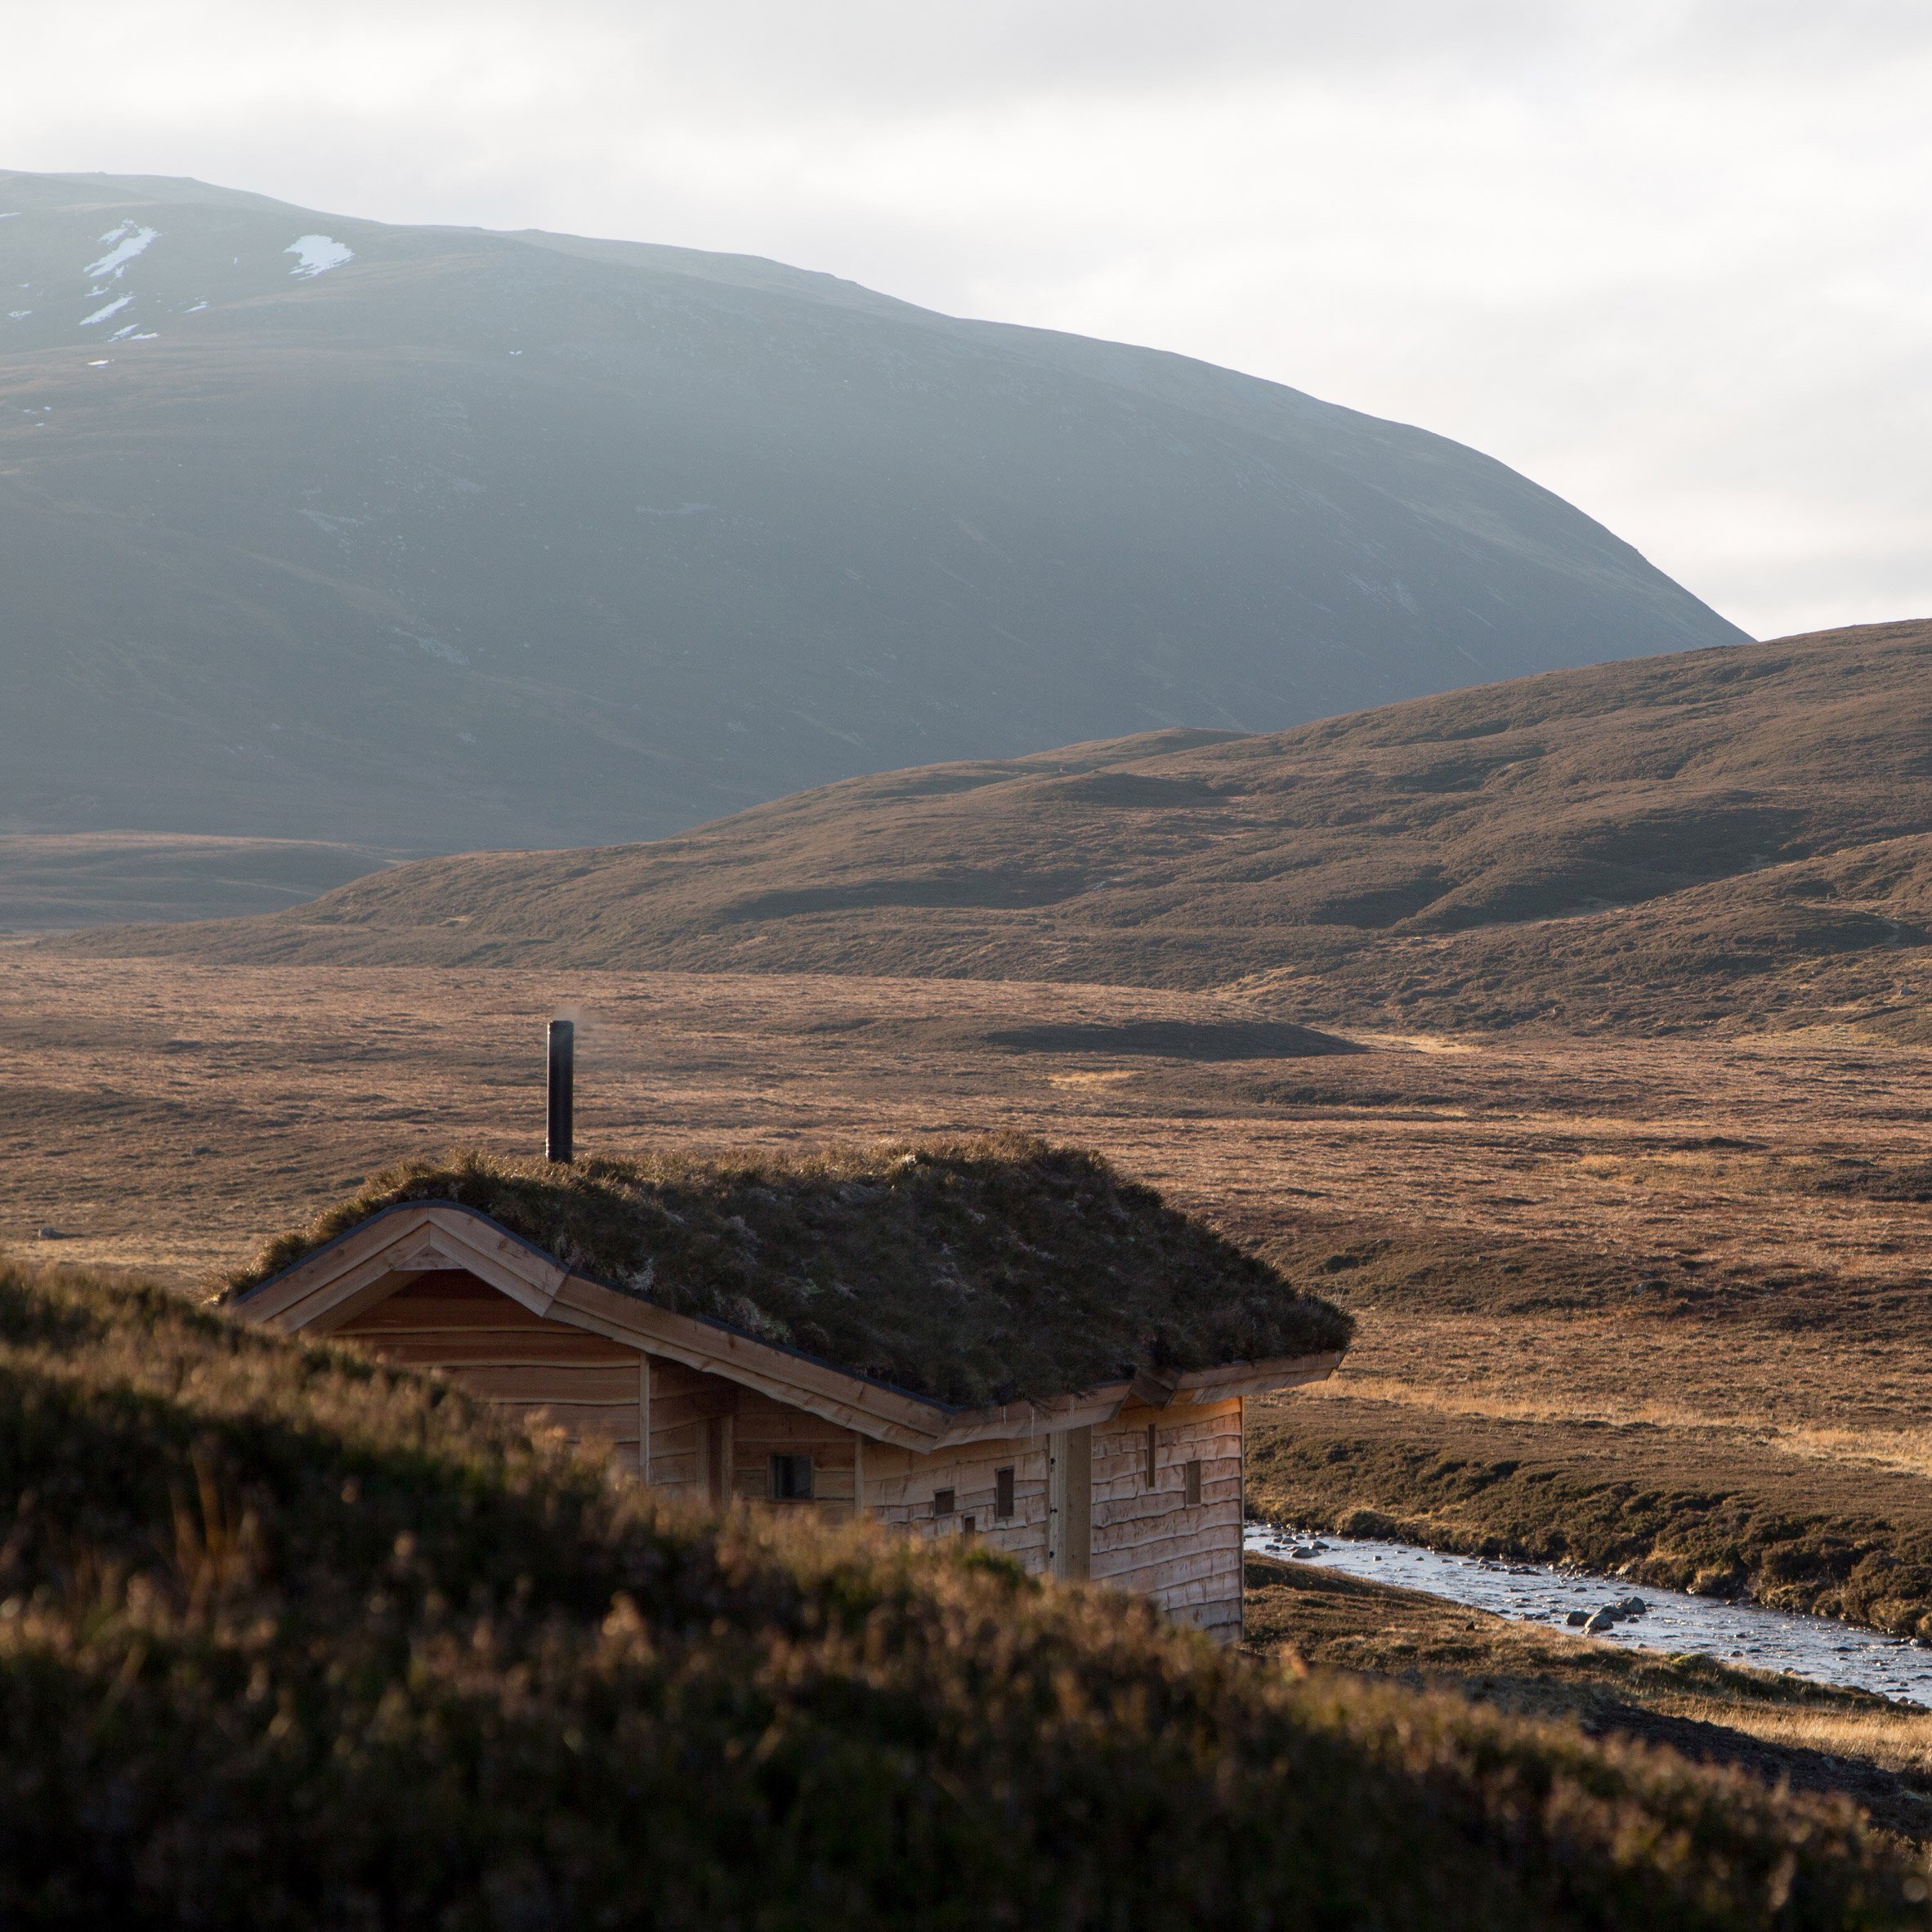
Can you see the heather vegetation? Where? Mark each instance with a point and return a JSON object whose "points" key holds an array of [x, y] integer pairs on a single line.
{"points": [[1665, 1295], [972, 1271], [287, 1638]]}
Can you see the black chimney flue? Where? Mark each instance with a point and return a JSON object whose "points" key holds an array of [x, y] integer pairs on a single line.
{"points": [[559, 1133]]}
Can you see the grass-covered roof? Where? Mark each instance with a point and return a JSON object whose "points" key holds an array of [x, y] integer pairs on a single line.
{"points": [[970, 1272]]}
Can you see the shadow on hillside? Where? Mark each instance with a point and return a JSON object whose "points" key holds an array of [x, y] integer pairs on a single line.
{"points": [[1177, 1039]]}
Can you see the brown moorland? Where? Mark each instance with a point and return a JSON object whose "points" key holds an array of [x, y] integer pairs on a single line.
{"points": [[1659, 1302], [1727, 838], [1631, 1204], [55, 881]]}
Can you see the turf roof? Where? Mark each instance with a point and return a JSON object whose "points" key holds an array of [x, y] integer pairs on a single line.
{"points": [[970, 1272]]}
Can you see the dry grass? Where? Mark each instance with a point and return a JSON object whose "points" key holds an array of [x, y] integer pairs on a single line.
{"points": [[1899, 1741], [1733, 1320], [195, 1110]]}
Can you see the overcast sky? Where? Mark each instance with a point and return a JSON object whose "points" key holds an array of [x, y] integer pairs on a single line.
{"points": [[1672, 260]]}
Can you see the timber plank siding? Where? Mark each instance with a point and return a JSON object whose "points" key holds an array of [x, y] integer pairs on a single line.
{"points": [[900, 1485], [711, 1439], [1149, 1539], [543, 1372], [764, 1428], [684, 1403]]}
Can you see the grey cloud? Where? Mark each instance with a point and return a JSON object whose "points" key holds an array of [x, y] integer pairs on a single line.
{"points": [[898, 59]]}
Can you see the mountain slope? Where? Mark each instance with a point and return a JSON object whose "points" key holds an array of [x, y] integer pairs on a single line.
{"points": [[58, 880], [315, 528], [1713, 837]]}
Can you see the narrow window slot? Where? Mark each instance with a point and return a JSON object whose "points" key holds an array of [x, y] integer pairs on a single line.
{"points": [[791, 1478]]}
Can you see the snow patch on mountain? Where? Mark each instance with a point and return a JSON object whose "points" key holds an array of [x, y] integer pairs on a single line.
{"points": [[317, 254], [125, 242], [114, 308]]}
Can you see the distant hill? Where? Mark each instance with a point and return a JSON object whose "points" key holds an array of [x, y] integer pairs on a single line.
{"points": [[1723, 837], [57, 880], [425, 538]]}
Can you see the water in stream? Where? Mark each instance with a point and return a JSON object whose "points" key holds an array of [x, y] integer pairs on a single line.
{"points": [[1814, 1647]]}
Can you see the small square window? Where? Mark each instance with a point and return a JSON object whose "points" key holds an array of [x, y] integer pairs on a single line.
{"points": [[1191, 1478], [1002, 1493], [943, 1503], [968, 1526], [791, 1478]]}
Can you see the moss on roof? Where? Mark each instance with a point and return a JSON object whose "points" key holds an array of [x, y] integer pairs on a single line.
{"points": [[970, 1271]]}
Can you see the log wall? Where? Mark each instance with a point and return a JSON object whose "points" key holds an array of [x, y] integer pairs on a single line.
{"points": [[1148, 1538], [763, 1429], [710, 1439], [900, 1485], [545, 1373], [1145, 1538], [691, 1418]]}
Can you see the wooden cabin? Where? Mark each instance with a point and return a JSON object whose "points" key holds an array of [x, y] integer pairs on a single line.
{"points": [[1135, 1480]]}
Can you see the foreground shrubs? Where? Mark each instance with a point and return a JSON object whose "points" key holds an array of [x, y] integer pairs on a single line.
{"points": [[289, 1640]]}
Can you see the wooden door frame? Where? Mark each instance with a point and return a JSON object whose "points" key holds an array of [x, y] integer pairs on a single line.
{"points": [[1070, 1503]]}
